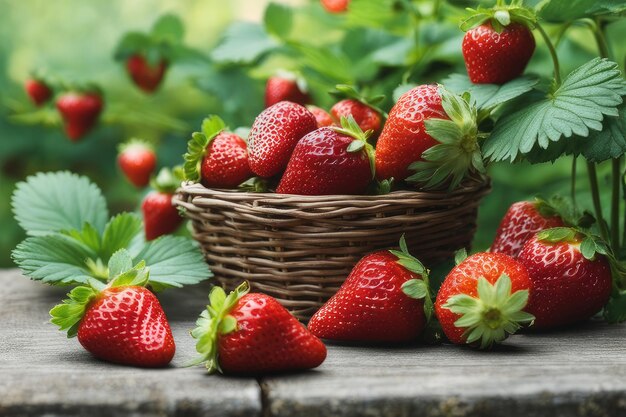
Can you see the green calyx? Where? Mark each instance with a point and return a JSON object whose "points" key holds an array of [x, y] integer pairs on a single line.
{"points": [[493, 314], [135, 143], [254, 185], [121, 273], [343, 91], [197, 146], [214, 322], [590, 245], [168, 180], [458, 153], [500, 16], [415, 288], [350, 127]]}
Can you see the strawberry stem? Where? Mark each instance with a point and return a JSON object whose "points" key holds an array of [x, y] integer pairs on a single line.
{"points": [[553, 55]]}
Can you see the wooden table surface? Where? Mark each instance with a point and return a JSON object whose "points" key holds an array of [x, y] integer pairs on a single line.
{"points": [[577, 372]]}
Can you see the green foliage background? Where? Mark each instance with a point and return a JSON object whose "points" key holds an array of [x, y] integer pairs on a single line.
{"points": [[75, 40]]}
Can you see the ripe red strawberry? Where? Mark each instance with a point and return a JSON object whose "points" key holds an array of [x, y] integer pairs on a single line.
{"points": [[38, 91], [385, 298], [521, 221], [323, 118], [330, 160], [482, 299], [409, 139], [122, 322], [495, 57], [146, 76], [335, 6], [137, 160], [274, 135], [366, 117], [80, 112], [218, 158], [251, 334], [570, 275], [285, 87], [160, 216]]}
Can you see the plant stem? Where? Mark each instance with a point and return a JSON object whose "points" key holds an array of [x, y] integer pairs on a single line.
{"points": [[555, 58], [573, 189], [615, 197], [597, 206]]}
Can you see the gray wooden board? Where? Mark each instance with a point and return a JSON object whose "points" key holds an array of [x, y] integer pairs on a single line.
{"points": [[577, 372]]}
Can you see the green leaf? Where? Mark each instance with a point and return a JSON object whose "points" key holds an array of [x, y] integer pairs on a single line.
{"points": [[51, 202], [588, 248], [169, 28], [133, 276], [460, 256], [370, 13], [609, 143], [130, 44], [119, 232], [212, 125], [69, 314], [278, 20], [243, 43], [120, 262], [415, 288], [329, 62], [88, 236], [615, 309], [174, 261], [589, 93], [568, 10], [54, 259], [488, 96]]}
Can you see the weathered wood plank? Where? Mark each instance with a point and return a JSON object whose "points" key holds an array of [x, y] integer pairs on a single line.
{"points": [[44, 373]]}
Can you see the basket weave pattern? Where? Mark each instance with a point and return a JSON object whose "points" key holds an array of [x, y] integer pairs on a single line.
{"points": [[300, 249]]}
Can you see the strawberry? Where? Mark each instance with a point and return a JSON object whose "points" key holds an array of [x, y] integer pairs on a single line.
{"points": [[274, 134], [218, 158], [80, 112], [366, 117], [385, 298], [252, 333], [499, 48], [323, 118], [38, 90], [330, 160], [483, 298], [570, 275], [286, 86], [122, 322], [433, 132], [146, 76], [335, 6], [137, 160], [521, 221], [160, 216]]}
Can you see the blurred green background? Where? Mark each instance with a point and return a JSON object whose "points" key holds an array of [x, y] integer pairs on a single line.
{"points": [[75, 40]]}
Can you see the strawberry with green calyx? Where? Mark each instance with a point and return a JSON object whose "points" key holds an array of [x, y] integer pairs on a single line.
{"points": [[80, 110], [137, 160], [456, 153], [217, 158], [321, 116], [250, 333], [39, 90], [145, 74], [363, 109], [286, 86], [386, 298], [121, 322], [330, 160], [500, 43], [571, 275], [160, 216], [483, 299]]}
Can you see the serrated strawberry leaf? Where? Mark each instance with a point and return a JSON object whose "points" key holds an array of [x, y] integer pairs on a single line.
{"points": [[577, 107], [119, 232], [168, 29], [369, 13], [243, 43], [51, 202], [278, 20], [88, 236], [569, 10], [67, 315]]}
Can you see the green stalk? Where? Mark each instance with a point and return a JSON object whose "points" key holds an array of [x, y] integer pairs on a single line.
{"points": [[597, 206], [555, 58], [573, 189], [615, 197]]}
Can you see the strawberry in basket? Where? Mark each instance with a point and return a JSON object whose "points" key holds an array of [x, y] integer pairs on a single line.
{"points": [[250, 333], [216, 157], [386, 298], [363, 109]]}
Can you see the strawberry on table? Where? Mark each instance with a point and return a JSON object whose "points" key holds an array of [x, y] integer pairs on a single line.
{"points": [[250, 333], [570, 275], [80, 111], [330, 160], [521, 221], [386, 298], [38, 90], [323, 118], [432, 132], [145, 74], [137, 160], [499, 48], [286, 86], [274, 134], [483, 300], [160, 216], [122, 322]]}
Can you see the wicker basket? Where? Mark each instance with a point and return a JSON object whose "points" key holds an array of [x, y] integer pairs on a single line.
{"points": [[299, 249]]}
